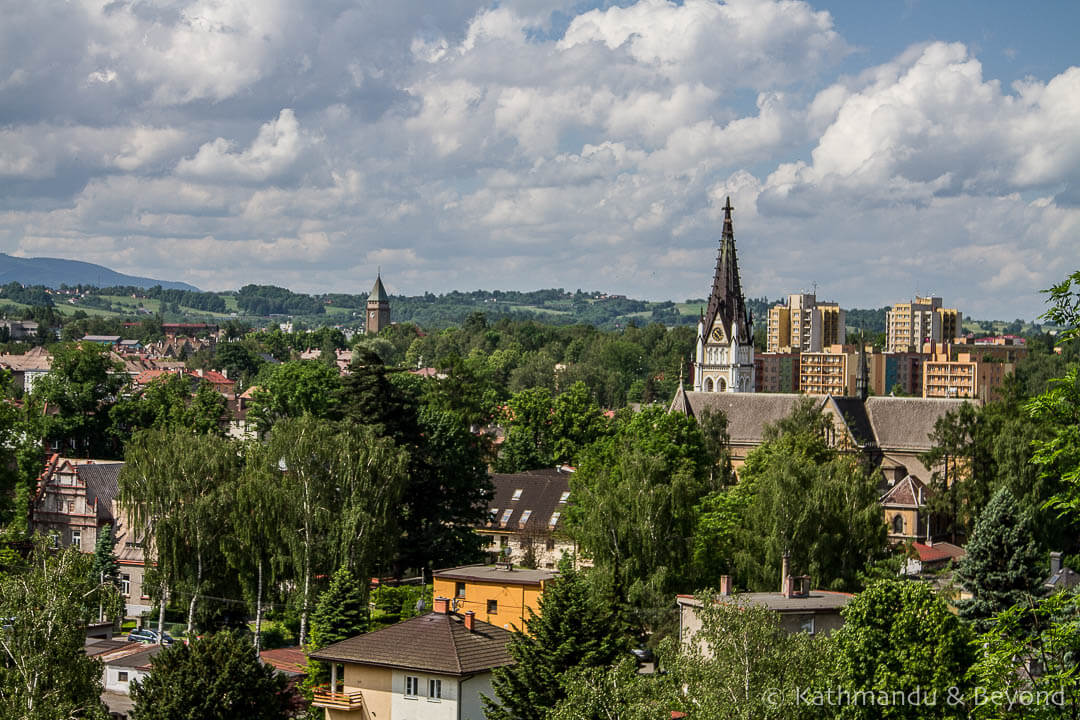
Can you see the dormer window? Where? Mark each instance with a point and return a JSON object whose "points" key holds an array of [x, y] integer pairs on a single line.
{"points": [[517, 494], [564, 497], [554, 519], [525, 517], [506, 515]]}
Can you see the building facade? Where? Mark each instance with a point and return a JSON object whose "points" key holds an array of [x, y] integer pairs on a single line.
{"points": [[500, 594], [433, 667], [378, 308], [909, 325], [525, 518], [73, 501], [724, 355], [776, 372], [802, 324]]}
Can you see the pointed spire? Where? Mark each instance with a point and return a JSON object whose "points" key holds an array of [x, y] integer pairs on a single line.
{"points": [[862, 379], [726, 300]]}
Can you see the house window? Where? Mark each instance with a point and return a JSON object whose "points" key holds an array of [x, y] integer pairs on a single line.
{"points": [[55, 537], [554, 519], [459, 589], [898, 525], [506, 515], [806, 624], [412, 686], [550, 544], [493, 513], [524, 518], [122, 676], [504, 541], [493, 607], [125, 584], [76, 538], [517, 494], [434, 689], [564, 497]]}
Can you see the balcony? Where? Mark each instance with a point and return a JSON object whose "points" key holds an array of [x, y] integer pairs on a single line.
{"points": [[345, 700]]}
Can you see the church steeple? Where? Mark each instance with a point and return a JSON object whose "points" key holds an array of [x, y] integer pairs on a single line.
{"points": [[724, 356], [378, 307], [726, 302]]}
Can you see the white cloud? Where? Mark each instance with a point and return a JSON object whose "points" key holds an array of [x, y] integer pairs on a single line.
{"points": [[273, 151], [479, 145]]}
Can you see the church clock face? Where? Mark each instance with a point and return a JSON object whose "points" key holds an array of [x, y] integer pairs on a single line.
{"points": [[718, 334], [371, 314]]}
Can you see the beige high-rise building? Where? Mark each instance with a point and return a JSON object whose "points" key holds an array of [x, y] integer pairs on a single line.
{"points": [[803, 324], [909, 325]]}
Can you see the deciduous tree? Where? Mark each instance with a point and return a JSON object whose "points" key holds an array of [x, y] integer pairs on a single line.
{"points": [[44, 606]]}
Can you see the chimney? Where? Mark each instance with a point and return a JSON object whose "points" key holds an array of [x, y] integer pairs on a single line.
{"points": [[441, 605], [470, 618], [785, 567], [797, 587], [1055, 563], [725, 584]]}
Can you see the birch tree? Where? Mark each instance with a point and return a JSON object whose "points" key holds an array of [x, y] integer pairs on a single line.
{"points": [[339, 487], [172, 484]]}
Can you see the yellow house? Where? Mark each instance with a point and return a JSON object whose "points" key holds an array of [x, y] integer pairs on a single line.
{"points": [[433, 667], [499, 594]]}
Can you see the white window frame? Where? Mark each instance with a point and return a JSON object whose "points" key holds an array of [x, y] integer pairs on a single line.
{"points": [[76, 538], [125, 584], [517, 493], [434, 689], [412, 686]]}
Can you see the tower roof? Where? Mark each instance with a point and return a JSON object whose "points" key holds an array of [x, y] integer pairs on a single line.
{"points": [[378, 293], [726, 301]]}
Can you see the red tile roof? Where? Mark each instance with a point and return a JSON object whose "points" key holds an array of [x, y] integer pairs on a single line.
{"points": [[290, 660]]}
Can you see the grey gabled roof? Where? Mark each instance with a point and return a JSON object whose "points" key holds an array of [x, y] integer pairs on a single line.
{"points": [[747, 413], [541, 491], [906, 422], [101, 484], [436, 642]]}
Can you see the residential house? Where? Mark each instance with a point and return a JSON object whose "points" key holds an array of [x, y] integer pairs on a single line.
{"points": [[932, 557], [801, 609], [525, 517], [1061, 577], [501, 594], [27, 368], [73, 500], [110, 340], [435, 667]]}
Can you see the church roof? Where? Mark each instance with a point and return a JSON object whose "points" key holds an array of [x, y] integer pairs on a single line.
{"points": [[726, 302], [906, 422], [378, 293], [747, 413]]}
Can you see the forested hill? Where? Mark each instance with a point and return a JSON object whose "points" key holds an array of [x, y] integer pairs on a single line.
{"points": [[54, 272]]}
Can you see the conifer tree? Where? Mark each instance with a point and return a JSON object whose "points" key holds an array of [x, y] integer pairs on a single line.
{"points": [[572, 631], [1003, 565], [341, 612], [105, 568]]}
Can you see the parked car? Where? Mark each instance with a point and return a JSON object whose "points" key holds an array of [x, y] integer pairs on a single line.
{"points": [[146, 635]]}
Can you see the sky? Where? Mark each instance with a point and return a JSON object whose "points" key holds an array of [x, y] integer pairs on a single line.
{"points": [[871, 150]]}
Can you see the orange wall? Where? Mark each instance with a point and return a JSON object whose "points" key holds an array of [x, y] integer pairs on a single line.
{"points": [[511, 600]]}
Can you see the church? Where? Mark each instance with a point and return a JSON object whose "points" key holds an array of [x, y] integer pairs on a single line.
{"points": [[891, 433], [724, 356]]}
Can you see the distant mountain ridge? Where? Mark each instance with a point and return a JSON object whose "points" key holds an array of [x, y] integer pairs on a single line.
{"points": [[54, 272]]}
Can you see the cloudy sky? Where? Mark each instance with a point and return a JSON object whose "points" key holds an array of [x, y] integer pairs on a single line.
{"points": [[871, 149]]}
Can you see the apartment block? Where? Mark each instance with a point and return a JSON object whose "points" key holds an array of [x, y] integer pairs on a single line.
{"points": [[776, 372], [802, 324], [903, 369], [827, 373], [964, 375], [909, 325]]}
